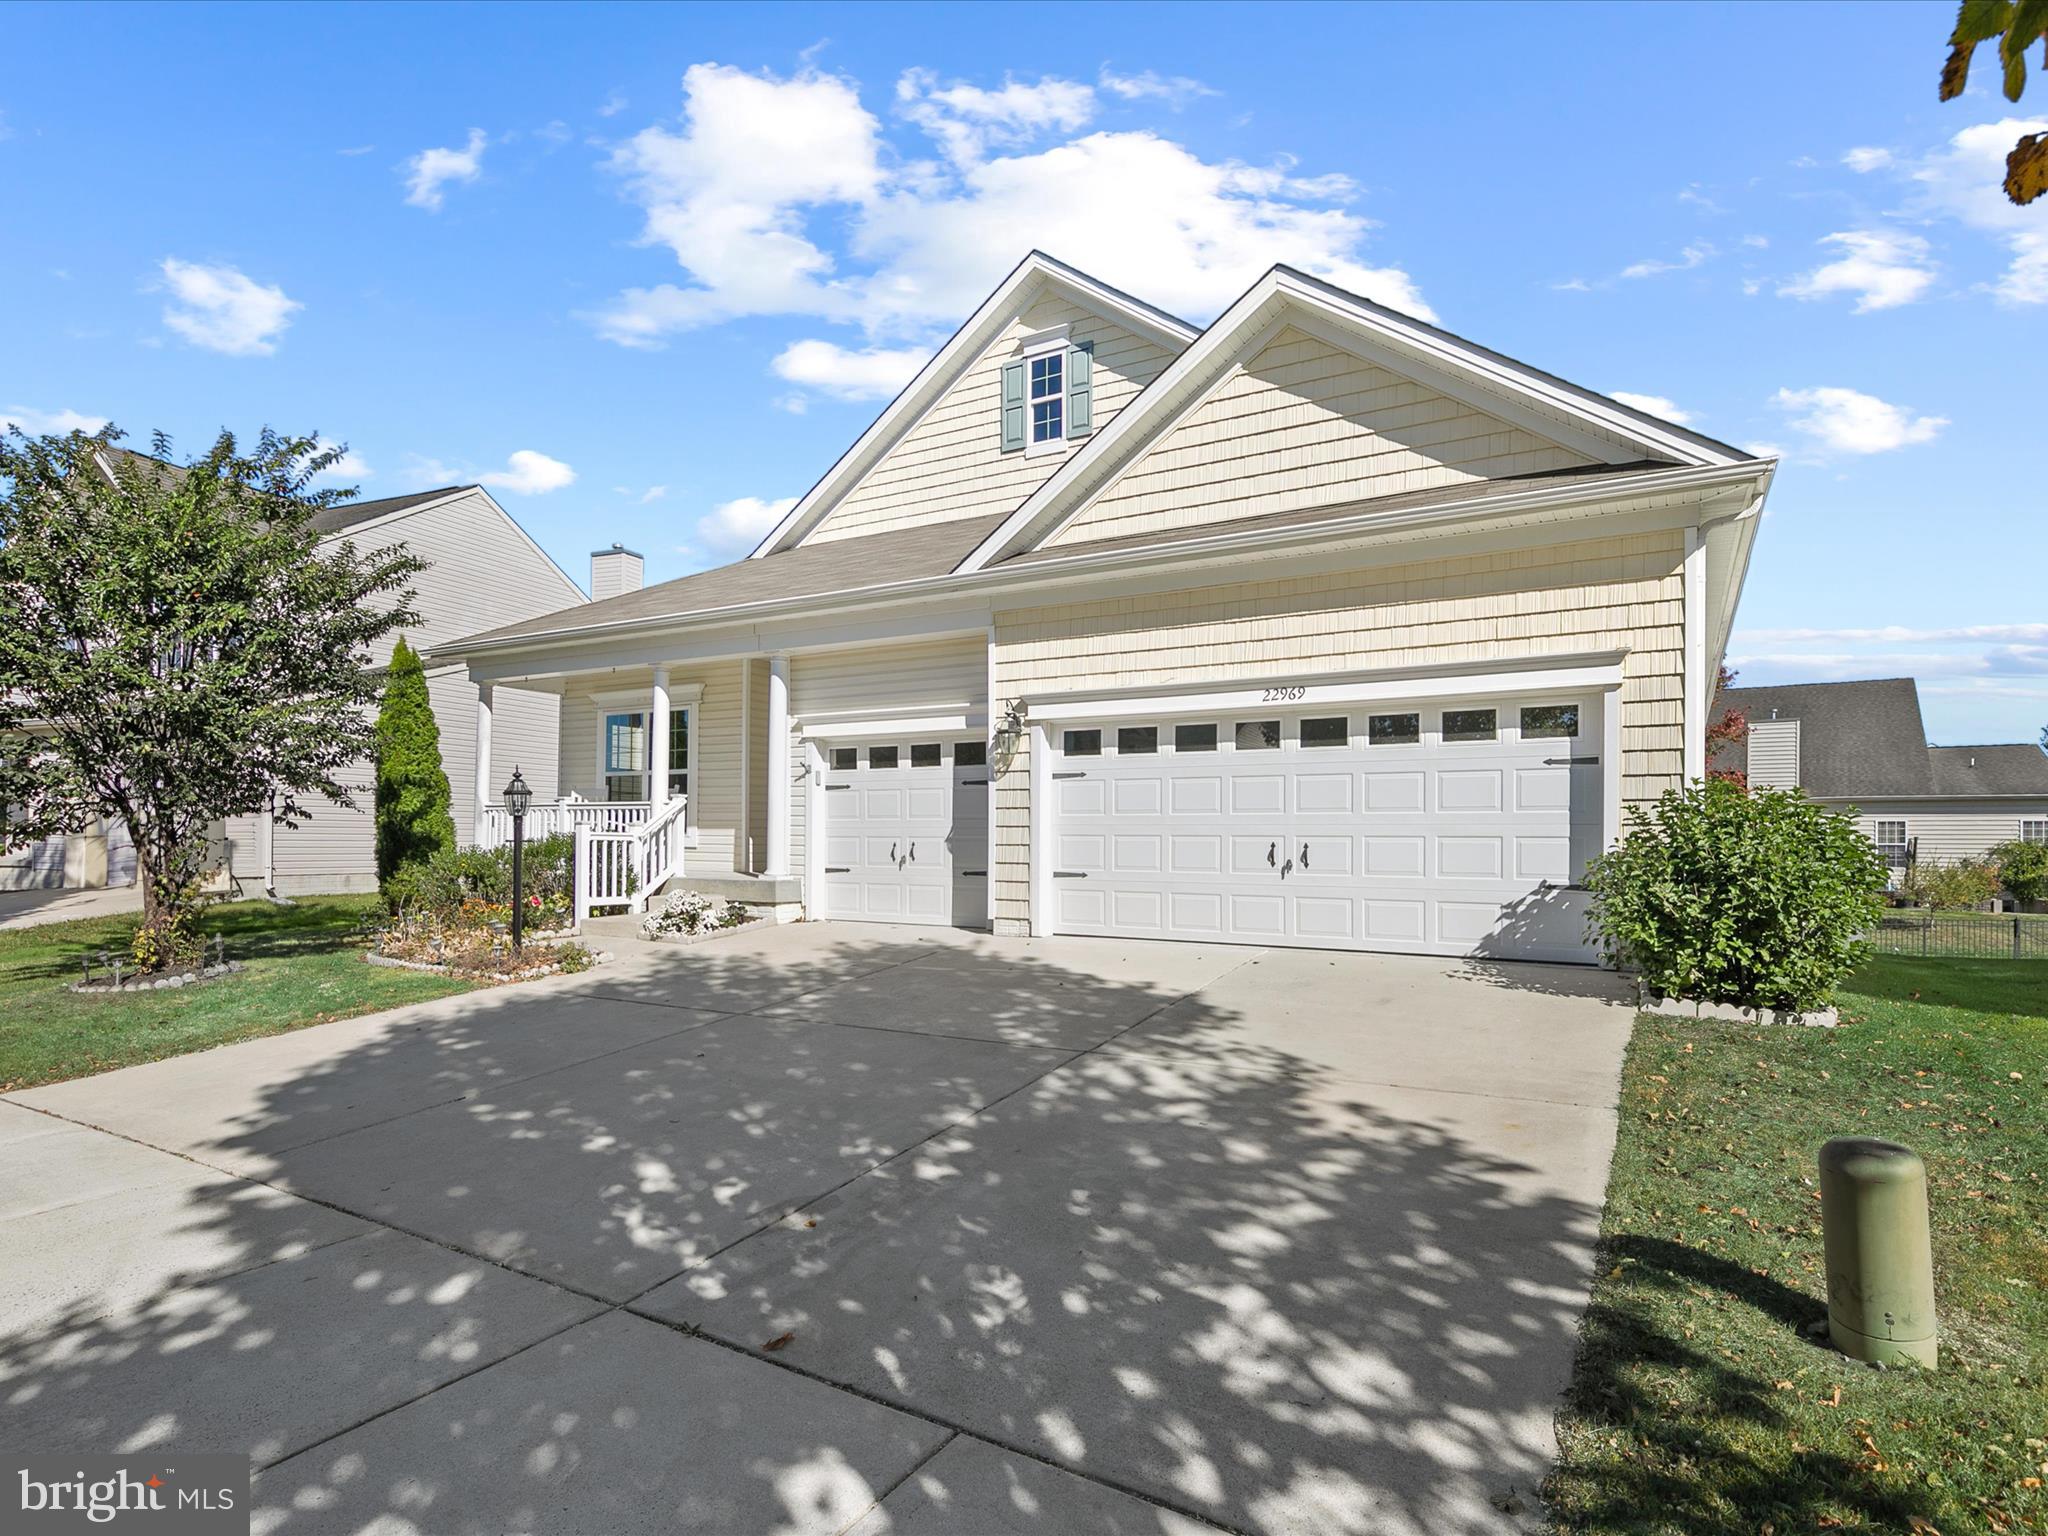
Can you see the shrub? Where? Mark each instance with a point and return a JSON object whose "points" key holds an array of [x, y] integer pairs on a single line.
{"points": [[1965, 883], [453, 877], [689, 912], [2024, 869], [412, 796], [1759, 899]]}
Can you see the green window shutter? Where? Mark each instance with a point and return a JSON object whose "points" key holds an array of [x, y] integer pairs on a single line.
{"points": [[1013, 406], [1080, 390]]}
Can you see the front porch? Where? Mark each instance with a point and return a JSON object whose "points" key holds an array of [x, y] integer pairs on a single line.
{"points": [[668, 776]]}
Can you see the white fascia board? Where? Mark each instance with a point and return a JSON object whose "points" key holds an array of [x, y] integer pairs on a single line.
{"points": [[1470, 373], [1579, 674], [975, 335], [818, 617], [956, 723]]}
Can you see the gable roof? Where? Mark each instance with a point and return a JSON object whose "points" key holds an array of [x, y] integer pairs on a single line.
{"points": [[1856, 740], [976, 334], [349, 514], [1603, 429], [2018, 768]]}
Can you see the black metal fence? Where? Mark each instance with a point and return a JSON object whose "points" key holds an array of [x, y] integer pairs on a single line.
{"points": [[1964, 935]]}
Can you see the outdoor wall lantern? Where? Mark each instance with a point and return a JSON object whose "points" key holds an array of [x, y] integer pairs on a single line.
{"points": [[1008, 734], [518, 798]]}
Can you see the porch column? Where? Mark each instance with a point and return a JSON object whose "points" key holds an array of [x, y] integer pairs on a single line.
{"points": [[777, 863], [657, 744], [484, 699]]}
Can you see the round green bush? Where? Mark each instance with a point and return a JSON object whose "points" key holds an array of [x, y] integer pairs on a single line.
{"points": [[2023, 867], [1758, 898]]}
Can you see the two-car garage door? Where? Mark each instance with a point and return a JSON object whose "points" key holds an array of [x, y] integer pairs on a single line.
{"points": [[1452, 828]]}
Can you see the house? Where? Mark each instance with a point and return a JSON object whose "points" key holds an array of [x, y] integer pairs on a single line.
{"points": [[1320, 626], [482, 569], [1860, 748]]}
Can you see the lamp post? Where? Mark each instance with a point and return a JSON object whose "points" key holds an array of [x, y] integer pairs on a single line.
{"points": [[517, 798]]}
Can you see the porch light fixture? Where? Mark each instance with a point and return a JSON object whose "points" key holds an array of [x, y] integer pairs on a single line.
{"points": [[1009, 733], [518, 797]]}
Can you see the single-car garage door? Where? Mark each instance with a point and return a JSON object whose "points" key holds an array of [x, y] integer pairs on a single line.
{"points": [[1452, 828], [906, 832]]}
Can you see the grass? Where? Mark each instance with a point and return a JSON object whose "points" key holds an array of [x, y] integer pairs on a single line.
{"points": [[1700, 1403], [304, 966]]}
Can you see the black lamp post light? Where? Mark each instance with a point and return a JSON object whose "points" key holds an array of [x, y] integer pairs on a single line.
{"points": [[517, 798]]}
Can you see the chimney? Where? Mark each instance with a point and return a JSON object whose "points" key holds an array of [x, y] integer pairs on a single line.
{"points": [[613, 571]]}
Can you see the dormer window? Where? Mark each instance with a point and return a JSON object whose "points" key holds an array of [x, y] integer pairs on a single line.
{"points": [[1047, 395]]}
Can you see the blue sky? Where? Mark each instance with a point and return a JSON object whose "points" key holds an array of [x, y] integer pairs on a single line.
{"points": [[647, 271]]}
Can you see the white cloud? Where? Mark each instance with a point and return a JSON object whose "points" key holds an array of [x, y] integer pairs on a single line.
{"points": [[1699, 197], [1176, 90], [740, 191], [967, 121], [526, 473], [796, 402], [1654, 405], [1757, 242], [614, 104], [1848, 421], [1866, 158], [875, 373], [653, 493], [1693, 255], [37, 423], [432, 169], [1900, 634], [741, 523], [351, 466], [1965, 182], [218, 308], [1883, 268]]}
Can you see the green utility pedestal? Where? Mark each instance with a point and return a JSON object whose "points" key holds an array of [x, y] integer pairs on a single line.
{"points": [[1873, 1207]]}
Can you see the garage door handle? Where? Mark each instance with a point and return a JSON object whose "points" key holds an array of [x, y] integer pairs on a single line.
{"points": [[1570, 762], [892, 852], [913, 853], [1304, 855], [1272, 854]]}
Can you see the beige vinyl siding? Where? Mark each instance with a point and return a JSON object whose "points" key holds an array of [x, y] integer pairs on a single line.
{"points": [[335, 850], [951, 464], [1773, 754], [716, 788], [1946, 831], [1620, 593], [481, 570], [1304, 424]]}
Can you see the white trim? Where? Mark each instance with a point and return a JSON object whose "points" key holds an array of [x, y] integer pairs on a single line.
{"points": [[745, 841], [1611, 766], [991, 704], [1041, 835], [777, 861], [976, 334], [1695, 655], [814, 831], [1567, 674], [1040, 342], [1411, 343], [486, 696], [966, 723]]}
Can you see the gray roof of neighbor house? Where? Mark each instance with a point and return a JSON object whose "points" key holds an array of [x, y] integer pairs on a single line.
{"points": [[809, 570], [2019, 768], [1860, 739], [348, 514], [1865, 741]]}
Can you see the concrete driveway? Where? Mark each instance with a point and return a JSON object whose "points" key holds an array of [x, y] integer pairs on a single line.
{"points": [[832, 1228]]}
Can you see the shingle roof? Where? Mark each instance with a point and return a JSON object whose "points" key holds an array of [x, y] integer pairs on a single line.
{"points": [[1856, 740], [1470, 490], [809, 570], [349, 513], [2016, 769]]}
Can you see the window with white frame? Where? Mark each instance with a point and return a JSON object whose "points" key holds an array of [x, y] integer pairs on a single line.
{"points": [[2032, 831], [678, 753], [625, 755], [1890, 837], [1048, 398]]}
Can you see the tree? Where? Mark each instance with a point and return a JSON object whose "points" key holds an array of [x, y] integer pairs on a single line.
{"points": [[413, 821], [176, 648], [2018, 25], [1730, 730]]}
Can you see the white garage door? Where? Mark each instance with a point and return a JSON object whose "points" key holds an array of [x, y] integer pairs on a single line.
{"points": [[906, 832], [1447, 828]]}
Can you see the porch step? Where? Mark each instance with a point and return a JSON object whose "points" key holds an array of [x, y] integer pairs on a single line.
{"points": [[753, 889]]}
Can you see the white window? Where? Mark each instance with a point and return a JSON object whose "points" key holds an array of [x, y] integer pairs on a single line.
{"points": [[1048, 397], [678, 752], [1890, 837], [625, 755], [2034, 831]]}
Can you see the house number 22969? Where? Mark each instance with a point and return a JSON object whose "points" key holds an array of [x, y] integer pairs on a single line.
{"points": [[1282, 695]]}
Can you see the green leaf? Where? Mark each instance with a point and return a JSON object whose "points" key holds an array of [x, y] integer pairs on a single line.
{"points": [[2026, 169]]}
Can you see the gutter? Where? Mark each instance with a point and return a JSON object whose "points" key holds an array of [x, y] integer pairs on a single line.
{"points": [[1241, 542]]}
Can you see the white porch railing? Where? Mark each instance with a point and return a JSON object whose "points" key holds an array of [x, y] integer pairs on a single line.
{"points": [[566, 815], [623, 867]]}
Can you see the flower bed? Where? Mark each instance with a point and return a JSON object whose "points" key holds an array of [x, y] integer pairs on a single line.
{"points": [[155, 981], [474, 940], [691, 914]]}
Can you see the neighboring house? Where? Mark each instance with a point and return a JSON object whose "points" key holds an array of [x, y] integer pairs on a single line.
{"points": [[1860, 746], [482, 569], [1319, 626]]}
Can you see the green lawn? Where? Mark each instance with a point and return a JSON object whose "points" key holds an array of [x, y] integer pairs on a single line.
{"points": [[1700, 1404], [305, 966]]}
